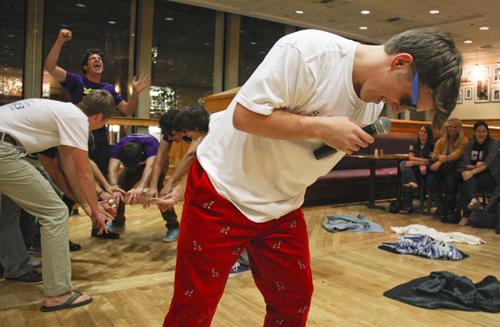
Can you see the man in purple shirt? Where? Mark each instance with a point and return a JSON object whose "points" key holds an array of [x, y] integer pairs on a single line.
{"points": [[137, 153], [79, 85]]}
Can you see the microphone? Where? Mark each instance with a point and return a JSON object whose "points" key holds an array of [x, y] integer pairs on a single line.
{"points": [[380, 126]]}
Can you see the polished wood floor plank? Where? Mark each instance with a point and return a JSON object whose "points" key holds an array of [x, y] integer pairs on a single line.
{"points": [[131, 279]]}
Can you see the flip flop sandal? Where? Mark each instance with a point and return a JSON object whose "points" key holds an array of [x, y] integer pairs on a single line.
{"points": [[70, 303]]}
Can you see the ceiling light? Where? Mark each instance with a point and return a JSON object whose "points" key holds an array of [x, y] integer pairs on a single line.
{"points": [[169, 19], [434, 12], [468, 41], [365, 12], [253, 43], [299, 12], [363, 28], [484, 28], [80, 5], [111, 22]]}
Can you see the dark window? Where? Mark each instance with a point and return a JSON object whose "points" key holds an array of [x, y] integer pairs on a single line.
{"points": [[183, 54], [94, 24], [12, 40], [257, 37]]}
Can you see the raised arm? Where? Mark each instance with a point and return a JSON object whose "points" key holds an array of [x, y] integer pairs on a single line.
{"points": [[337, 132], [53, 57], [138, 85]]}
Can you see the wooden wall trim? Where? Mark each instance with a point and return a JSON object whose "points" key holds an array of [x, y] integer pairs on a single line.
{"points": [[220, 101], [129, 121]]}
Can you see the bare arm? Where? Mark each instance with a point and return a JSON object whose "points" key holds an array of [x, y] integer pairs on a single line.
{"points": [[138, 85], [112, 171], [160, 162], [53, 56], [136, 192], [85, 181], [51, 166], [183, 167], [338, 132]]}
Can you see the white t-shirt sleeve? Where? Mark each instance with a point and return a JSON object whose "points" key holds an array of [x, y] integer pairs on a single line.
{"points": [[283, 80], [73, 131]]}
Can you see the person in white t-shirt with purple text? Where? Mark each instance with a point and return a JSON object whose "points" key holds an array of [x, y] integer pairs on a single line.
{"points": [[246, 189]]}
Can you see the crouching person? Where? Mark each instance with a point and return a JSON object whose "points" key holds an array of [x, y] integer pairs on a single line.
{"points": [[34, 125]]}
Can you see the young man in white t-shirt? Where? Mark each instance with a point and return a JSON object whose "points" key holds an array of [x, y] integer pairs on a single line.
{"points": [[253, 169], [33, 125]]}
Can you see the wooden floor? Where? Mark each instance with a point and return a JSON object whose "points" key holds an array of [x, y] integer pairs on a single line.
{"points": [[131, 279]]}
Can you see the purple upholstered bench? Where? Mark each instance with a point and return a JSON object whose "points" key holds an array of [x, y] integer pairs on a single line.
{"points": [[349, 181]]}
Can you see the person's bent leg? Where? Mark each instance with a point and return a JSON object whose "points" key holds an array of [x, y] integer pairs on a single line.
{"points": [[280, 264], [13, 255], [212, 236], [23, 184]]}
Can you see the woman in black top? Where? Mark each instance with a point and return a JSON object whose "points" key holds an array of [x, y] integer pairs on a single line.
{"points": [[479, 159], [419, 155]]}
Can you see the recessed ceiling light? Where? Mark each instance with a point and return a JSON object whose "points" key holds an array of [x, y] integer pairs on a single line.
{"points": [[299, 12], [365, 12], [10, 35], [170, 19], [111, 22], [468, 41], [253, 43], [363, 28], [484, 28], [80, 5], [434, 12]]}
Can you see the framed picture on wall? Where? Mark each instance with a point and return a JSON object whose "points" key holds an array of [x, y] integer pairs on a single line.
{"points": [[483, 71], [459, 98], [466, 78], [496, 74], [468, 93], [495, 94], [482, 90]]}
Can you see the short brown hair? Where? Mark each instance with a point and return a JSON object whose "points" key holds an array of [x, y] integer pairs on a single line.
{"points": [[438, 63], [98, 102]]}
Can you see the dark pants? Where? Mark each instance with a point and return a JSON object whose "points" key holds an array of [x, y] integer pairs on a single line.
{"points": [[127, 180], [444, 181], [99, 149], [483, 182]]}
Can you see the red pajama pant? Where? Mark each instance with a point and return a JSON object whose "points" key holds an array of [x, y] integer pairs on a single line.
{"points": [[212, 235]]}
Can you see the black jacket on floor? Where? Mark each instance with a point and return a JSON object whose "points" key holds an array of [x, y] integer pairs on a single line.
{"points": [[444, 289]]}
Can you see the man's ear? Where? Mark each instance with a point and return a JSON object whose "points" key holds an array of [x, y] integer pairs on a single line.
{"points": [[401, 59], [85, 67]]}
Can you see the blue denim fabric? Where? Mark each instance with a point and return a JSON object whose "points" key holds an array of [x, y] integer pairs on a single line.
{"points": [[359, 223]]}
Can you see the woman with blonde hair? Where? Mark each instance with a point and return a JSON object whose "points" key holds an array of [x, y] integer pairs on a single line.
{"points": [[443, 177]]}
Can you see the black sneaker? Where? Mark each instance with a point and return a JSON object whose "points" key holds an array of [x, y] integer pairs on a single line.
{"points": [[31, 277], [73, 247], [109, 235]]}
